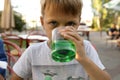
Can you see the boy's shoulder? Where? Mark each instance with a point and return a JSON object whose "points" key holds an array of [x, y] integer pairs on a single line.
{"points": [[87, 44]]}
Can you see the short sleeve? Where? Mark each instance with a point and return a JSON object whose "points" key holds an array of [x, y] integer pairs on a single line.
{"points": [[93, 55], [23, 66]]}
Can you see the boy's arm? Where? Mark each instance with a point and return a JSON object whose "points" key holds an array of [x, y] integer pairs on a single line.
{"points": [[94, 72], [92, 64], [15, 77]]}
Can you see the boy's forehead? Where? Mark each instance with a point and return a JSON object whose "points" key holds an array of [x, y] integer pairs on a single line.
{"points": [[54, 12], [58, 15]]}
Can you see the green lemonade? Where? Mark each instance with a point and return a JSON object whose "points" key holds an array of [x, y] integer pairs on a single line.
{"points": [[63, 50], [48, 77]]}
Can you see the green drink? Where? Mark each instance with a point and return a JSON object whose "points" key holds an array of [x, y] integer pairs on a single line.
{"points": [[48, 77], [63, 50]]}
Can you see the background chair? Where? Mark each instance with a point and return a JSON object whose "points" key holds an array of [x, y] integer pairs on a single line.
{"points": [[9, 47], [13, 37]]}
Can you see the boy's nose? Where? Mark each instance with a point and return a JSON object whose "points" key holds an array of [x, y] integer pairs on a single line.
{"points": [[62, 26]]}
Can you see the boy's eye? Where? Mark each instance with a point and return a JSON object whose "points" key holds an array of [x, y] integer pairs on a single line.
{"points": [[70, 24], [53, 23]]}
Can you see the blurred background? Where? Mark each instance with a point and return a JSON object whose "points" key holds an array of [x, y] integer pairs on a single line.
{"points": [[94, 14]]}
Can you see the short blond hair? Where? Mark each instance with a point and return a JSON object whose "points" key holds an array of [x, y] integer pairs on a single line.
{"points": [[73, 7]]}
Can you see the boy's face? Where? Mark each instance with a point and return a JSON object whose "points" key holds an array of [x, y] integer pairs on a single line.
{"points": [[55, 18]]}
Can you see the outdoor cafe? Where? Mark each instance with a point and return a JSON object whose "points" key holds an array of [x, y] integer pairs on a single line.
{"points": [[16, 43]]}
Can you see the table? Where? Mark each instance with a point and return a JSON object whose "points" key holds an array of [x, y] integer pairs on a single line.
{"points": [[27, 38], [86, 31]]}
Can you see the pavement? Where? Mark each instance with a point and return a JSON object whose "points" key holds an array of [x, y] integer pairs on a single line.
{"points": [[108, 53]]}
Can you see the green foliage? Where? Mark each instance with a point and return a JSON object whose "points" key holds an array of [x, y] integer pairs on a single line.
{"points": [[109, 19], [106, 17], [97, 4], [19, 23]]}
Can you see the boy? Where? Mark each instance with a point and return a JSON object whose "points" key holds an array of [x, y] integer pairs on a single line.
{"points": [[36, 61], [3, 57]]}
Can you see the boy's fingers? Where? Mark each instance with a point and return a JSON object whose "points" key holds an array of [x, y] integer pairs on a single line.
{"points": [[71, 33], [72, 36], [70, 28]]}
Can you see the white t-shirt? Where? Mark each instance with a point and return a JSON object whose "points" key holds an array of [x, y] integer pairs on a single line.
{"points": [[36, 62]]}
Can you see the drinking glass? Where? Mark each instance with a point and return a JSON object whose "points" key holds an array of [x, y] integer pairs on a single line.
{"points": [[62, 50]]}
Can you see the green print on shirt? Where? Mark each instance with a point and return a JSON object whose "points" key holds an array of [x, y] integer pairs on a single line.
{"points": [[48, 76], [76, 78]]}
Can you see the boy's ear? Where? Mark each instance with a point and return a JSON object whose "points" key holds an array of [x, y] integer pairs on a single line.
{"points": [[41, 20]]}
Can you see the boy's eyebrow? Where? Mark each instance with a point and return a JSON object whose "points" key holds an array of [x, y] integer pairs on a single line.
{"points": [[49, 19], [66, 21]]}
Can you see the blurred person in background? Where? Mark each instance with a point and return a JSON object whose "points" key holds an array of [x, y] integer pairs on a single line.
{"points": [[3, 57], [114, 32]]}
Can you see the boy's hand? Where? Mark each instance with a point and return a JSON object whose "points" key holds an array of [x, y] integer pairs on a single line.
{"points": [[71, 33]]}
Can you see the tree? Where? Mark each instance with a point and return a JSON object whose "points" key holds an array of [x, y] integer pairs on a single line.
{"points": [[105, 17], [19, 23]]}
